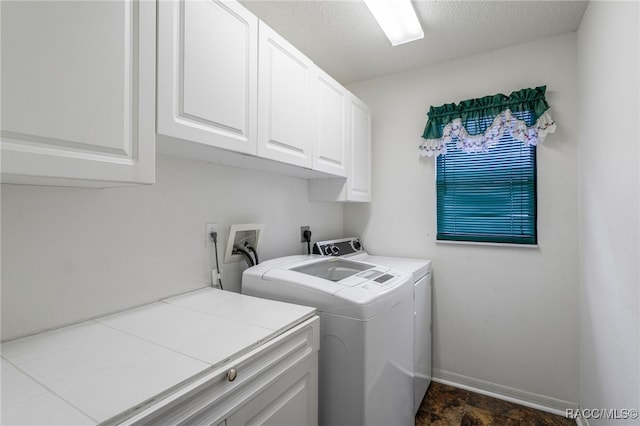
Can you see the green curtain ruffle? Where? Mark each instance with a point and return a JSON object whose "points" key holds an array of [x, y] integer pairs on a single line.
{"points": [[489, 106]]}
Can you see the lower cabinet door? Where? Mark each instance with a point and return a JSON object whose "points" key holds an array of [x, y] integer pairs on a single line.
{"points": [[290, 401]]}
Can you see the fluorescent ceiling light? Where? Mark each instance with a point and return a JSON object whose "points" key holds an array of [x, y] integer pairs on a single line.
{"points": [[397, 19]]}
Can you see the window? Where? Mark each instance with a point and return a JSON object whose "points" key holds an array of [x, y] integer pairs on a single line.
{"points": [[485, 152], [488, 196]]}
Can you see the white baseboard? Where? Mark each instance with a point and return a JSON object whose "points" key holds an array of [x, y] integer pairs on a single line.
{"points": [[517, 396], [581, 421]]}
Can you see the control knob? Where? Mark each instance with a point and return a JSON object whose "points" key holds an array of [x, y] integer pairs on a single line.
{"points": [[327, 250], [335, 250], [356, 245]]}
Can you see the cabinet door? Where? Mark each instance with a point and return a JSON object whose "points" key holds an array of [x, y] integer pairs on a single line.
{"points": [[207, 73], [357, 186], [284, 100], [329, 125], [78, 92], [291, 401], [359, 179]]}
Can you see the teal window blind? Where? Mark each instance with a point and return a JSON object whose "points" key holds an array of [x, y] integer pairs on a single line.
{"points": [[488, 196]]}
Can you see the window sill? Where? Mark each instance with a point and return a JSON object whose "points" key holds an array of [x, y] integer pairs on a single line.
{"points": [[476, 243]]}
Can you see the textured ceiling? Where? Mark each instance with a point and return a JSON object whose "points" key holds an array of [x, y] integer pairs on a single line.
{"points": [[343, 39]]}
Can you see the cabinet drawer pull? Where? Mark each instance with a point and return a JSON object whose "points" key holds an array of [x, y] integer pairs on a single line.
{"points": [[232, 374]]}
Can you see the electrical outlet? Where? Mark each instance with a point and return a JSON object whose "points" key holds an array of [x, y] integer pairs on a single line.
{"points": [[302, 229], [211, 227]]}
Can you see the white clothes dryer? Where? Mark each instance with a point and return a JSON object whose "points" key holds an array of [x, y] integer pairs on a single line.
{"points": [[366, 364], [420, 270]]}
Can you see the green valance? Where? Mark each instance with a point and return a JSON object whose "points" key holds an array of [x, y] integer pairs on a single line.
{"points": [[449, 121]]}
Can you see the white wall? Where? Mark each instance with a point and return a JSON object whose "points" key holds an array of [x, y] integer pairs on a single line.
{"points": [[73, 253], [608, 60], [505, 319]]}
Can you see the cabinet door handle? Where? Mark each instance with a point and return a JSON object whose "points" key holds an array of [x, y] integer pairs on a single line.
{"points": [[232, 374]]}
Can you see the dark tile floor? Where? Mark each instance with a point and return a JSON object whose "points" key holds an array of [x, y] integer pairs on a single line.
{"points": [[448, 406]]}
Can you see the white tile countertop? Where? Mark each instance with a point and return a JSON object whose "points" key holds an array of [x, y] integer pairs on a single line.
{"points": [[96, 370]]}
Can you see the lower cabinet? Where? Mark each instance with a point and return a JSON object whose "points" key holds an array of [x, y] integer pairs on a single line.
{"points": [[274, 384], [292, 400]]}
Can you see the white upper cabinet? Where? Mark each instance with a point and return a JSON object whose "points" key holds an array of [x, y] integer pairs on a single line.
{"points": [[81, 107], [359, 180], [228, 85], [78, 92], [329, 125], [207, 74], [285, 99], [357, 186]]}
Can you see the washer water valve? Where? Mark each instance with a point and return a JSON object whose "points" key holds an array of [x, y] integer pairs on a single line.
{"points": [[243, 243]]}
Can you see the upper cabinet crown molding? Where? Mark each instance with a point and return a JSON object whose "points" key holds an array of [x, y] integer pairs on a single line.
{"points": [[78, 92], [207, 74]]}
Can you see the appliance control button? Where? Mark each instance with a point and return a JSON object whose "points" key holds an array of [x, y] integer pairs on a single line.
{"points": [[335, 250], [327, 250], [356, 245]]}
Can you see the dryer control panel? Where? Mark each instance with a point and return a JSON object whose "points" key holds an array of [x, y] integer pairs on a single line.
{"points": [[341, 247]]}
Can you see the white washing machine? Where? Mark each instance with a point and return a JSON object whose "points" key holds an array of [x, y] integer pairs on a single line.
{"points": [[366, 365], [420, 270]]}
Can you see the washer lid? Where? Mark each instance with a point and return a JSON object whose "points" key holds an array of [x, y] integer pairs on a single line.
{"points": [[366, 290], [339, 270], [326, 275]]}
